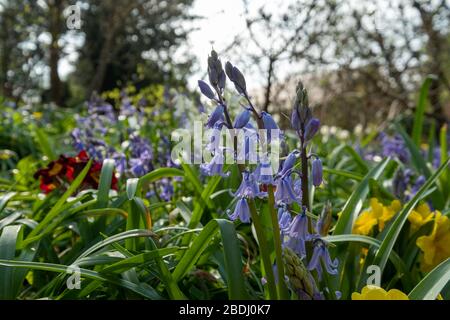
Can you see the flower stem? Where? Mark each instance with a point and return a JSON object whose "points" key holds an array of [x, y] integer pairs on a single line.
{"points": [[264, 250], [281, 285], [305, 185]]}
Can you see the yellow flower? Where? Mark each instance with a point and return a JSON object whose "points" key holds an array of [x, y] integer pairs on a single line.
{"points": [[371, 292], [388, 213], [377, 214], [365, 222], [436, 246], [37, 115], [419, 216]]}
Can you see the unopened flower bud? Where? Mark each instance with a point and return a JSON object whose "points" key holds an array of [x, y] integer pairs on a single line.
{"points": [[311, 128], [325, 219], [206, 89], [317, 172]]}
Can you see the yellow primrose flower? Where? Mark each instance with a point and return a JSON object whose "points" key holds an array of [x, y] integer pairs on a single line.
{"points": [[388, 213], [365, 222], [419, 216], [371, 292], [436, 246], [377, 214]]}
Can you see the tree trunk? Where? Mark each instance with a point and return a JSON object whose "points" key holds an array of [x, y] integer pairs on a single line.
{"points": [[103, 61]]}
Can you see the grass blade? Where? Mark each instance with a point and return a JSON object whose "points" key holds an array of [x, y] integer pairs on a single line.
{"points": [[8, 241], [420, 110], [105, 183], [233, 259], [430, 286]]}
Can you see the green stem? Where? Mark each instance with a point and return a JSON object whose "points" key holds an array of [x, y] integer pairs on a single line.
{"points": [[281, 285], [264, 250]]}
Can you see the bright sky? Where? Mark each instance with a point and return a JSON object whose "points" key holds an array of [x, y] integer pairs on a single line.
{"points": [[222, 21]]}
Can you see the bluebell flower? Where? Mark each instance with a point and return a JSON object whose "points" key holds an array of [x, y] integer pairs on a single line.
{"points": [[299, 227], [317, 172], [269, 124], [77, 136], [298, 187], [215, 116], [321, 255], [289, 163], [120, 162], [142, 164], [420, 181], [394, 147], [127, 109], [249, 187], [264, 173], [284, 191], [167, 189], [215, 166], [242, 119], [298, 234], [215, 138], [284, 219], [241, 211], [249, 152]]}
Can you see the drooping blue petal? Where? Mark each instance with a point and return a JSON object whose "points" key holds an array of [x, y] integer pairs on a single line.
{"points": [[241, 211], [249, 187], [215, 166], [242, 119], [215, 116], [264, 173], [284, 191], [289, 163]]}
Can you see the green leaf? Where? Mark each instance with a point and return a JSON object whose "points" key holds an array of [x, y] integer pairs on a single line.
{"points": [[397, 225], [343, 173], [416, 155], [138, 260], [354, 204], [200, 205], [159, 174], [4, 199], [132, 185], [8, 241], [232, 253], [44, 143], [198, 186], [115, 238], [357, 158], [145, 291], [420, 110], [432, 284], [105, 183], [396, 260]]}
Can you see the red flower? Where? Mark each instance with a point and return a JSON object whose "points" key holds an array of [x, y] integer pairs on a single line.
{"points": [[66, 169]]}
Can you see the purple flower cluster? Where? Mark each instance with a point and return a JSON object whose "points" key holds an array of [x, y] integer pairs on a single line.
{"points": [[102, 135], [290, 183], [394, 147]]}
